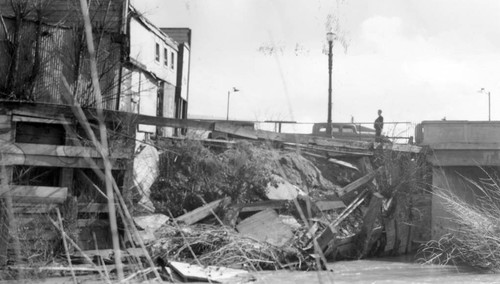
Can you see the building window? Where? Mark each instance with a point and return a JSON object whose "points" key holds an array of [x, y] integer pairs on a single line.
{"points": [[157, 53], [165, 57], [172, 60]]}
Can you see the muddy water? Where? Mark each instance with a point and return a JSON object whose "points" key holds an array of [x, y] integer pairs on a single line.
{"points": [[380, 271]]}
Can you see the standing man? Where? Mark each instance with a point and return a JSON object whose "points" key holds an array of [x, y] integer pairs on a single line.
{"points": [[378, 125]]}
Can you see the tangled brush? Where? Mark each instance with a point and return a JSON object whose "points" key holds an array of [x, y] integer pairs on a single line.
{"points": [[222, 246], [475, 240]]}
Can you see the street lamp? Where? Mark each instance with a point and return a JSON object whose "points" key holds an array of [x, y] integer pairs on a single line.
{"points": [[234, 90], [330, 37], [483, 91]]}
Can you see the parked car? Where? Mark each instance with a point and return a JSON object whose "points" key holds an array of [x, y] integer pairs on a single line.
{"points": [[347, 131]]}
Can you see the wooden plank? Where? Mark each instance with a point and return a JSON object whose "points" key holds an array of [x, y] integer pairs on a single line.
{"points": [[365, 165], [390, 236], [54, 161], [22, 118], [104, 253], [365, 235], [93, 208], [45, 110], [403, 148], [64, 151], [27, 208], [327, 236], [37, 194], [266, 226], [54, 150], [200, 213], [192, 272], [325, 205], [261, 205], [331, 151], [359, 182], [343, 163]]}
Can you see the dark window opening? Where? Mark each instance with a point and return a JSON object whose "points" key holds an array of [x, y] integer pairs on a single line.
{"points": [[172, 60], [157, 53], [165, 57], [40, 133], [89, 187], [36, 176]]}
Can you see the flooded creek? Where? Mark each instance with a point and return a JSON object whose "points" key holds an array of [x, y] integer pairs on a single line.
{"points": [[381, 271]]}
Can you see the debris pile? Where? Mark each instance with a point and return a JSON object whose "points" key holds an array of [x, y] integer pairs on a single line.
{"points": [[249, 207], [305, 216]]}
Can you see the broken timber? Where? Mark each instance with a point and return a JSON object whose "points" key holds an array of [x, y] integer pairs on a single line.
{"points": [[360, 182], [217, 274], [328, 151], [260, 205], [325, 205], [37, 194], [365, 235], [201, 212]]}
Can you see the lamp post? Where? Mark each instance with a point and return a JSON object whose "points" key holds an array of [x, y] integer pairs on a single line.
{"points": [[330, 37], [489, 101], [228, 96]]}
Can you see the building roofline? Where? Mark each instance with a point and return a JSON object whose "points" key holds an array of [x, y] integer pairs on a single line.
{"points": [[153, 28]]}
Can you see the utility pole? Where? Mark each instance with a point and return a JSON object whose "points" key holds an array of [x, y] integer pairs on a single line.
{"points": [[330, 37]]}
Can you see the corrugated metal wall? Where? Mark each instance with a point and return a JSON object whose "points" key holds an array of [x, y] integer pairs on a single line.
{"points": [[58, 59], [104, 13]]}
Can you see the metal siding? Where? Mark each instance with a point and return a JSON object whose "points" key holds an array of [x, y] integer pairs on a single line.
{"points": [[67, 13]]}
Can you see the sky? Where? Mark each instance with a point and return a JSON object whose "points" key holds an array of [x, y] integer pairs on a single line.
{"points": [[414, 59]]}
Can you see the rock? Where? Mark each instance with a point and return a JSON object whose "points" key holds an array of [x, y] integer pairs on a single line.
{"points": [[283, 190]]}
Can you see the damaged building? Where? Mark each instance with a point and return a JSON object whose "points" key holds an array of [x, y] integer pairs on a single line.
{"points": [[48, 160]]}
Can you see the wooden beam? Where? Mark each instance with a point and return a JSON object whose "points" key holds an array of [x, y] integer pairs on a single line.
{"points": [[200, 213], [23, 118], [37, 194], [261, 205], [364, 238], [30, 208], [343, 163], [55, 150], [359, 182], [327, 236], [325, 205], [212, 274], [403, 148], [45, 110], [328, 151], [54, 161]]}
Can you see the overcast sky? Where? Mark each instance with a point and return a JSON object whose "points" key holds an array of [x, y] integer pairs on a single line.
{"points": [[415, 60]]}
